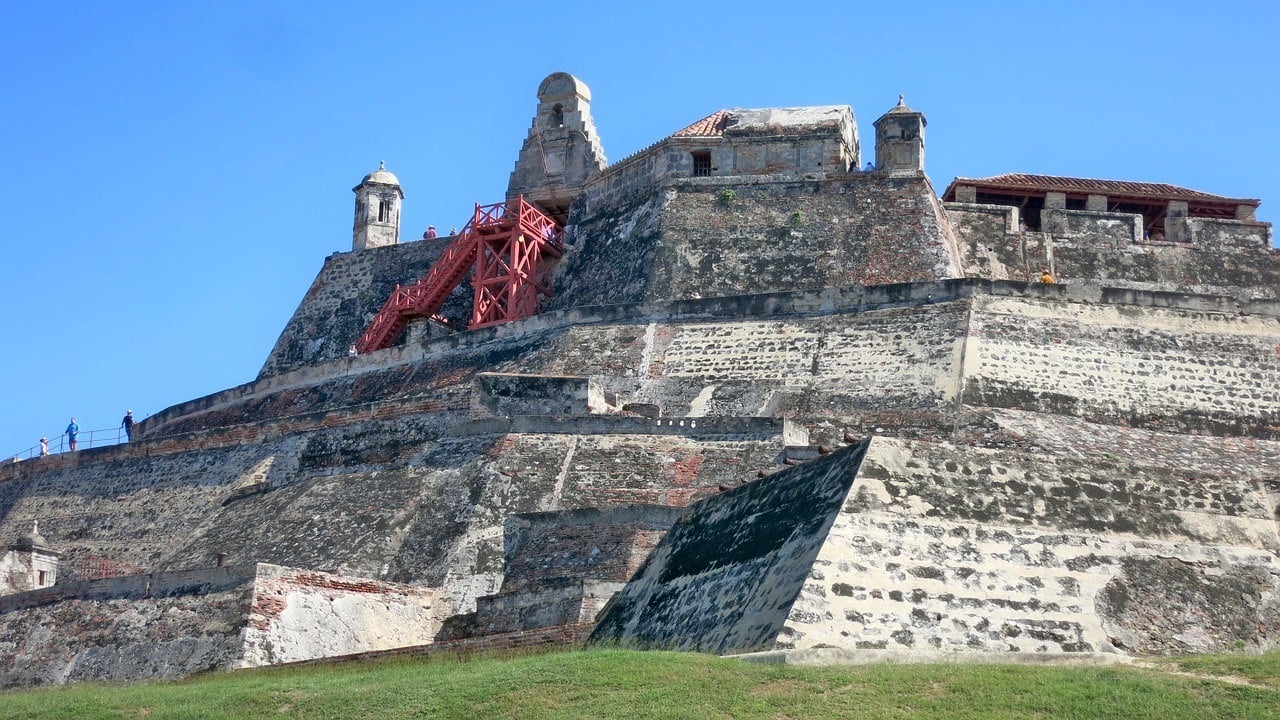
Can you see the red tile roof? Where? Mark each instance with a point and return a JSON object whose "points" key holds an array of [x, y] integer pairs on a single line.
{"points": [[1110, 188], [709, 126]]}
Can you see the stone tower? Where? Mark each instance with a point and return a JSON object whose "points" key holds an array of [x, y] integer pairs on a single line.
{"points": [[562, 151], [378, 198], [900, 141]]}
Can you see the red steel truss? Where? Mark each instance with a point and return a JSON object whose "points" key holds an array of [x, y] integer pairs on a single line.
{"points": [[512, 248]]}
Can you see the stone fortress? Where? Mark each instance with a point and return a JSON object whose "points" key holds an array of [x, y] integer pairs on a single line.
{"points": [[778, 402]]}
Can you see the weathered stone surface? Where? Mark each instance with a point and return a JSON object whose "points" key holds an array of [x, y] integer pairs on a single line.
{"points": [[948, 548], [302, 615], [1058, 468], [723, 580], [133, 628]]}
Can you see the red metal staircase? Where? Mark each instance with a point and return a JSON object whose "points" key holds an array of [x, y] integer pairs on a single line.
{"points": [[512, 247]]}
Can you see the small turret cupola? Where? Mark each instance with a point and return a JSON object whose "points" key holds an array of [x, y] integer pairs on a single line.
{"points": [[378, 199], [562, 151], [29, 564], [900, 140]]}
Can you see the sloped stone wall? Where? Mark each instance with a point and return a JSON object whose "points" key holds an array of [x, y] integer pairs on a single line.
{"points": [[717, 237], [587, 543], [347, 294], [937, 546], [723, 580]]}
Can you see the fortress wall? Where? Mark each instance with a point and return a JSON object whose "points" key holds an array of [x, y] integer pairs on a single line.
{"points": [[692, 241], [609, 253], [1159, 367], [945, 547], [687, 362], [124, 629], [1236, 235], [887, 367], [622, 182], [989, 245], [387, 498], [1219, 256], [302, 615], [1093, 444], [723, 579], [346, 295], [1092, 228]]}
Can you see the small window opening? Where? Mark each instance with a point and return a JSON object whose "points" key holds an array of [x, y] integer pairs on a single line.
{"points": [[701, 163], [41, 577], [384, 210], [557, 116]]}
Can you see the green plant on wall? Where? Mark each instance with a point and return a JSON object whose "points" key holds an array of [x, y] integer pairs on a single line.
{"points": [[797, 217], [726, 197]]}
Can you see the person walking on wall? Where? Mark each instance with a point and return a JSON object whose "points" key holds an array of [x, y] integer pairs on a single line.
{"points": [[44, 446], [430, 234], [73, 430], [127, 423]]}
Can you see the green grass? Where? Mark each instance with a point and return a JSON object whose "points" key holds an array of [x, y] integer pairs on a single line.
{"points": [[623, 684], [1257, 669]]}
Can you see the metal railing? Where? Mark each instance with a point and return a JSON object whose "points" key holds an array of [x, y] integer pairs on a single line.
{"points": [[86, 439]]}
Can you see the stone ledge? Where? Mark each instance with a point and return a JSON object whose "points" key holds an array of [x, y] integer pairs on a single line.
{"points": [[840, 656], [614, 425]]}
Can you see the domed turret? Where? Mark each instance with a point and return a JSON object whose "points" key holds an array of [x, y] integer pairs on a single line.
{"points": [[32, 540], [378, 198]]}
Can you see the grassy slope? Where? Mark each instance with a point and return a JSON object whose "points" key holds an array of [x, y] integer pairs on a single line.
{"points": [[621, 684]]}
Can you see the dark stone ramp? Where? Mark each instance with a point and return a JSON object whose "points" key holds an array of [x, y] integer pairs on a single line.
{"points": [[725, 577]]}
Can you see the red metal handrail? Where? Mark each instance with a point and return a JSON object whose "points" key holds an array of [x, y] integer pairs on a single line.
{"points": [[509, 272]]}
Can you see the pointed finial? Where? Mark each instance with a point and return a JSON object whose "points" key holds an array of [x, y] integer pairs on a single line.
{"points": [[902, 101], [35, 527], [382, 164]]}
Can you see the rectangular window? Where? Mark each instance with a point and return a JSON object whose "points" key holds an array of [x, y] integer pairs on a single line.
{"points": [[701, 163], [382, 211], [40, 580]]}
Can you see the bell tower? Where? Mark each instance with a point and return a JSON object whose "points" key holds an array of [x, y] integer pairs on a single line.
{"points": [[378, 198], [562, 151]]}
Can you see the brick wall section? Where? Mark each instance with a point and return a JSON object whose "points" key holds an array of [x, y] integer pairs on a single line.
{"points": [[565, 601], [1082, 539]]}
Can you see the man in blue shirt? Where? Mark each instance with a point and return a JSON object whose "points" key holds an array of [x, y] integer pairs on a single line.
{"points": [[72, 431]]}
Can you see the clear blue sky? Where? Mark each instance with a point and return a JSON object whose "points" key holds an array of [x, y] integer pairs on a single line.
{"points": [[172, 175]]}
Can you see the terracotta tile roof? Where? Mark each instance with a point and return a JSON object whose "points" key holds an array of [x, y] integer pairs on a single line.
{"points": [[1111, 188], [709, 126]]}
